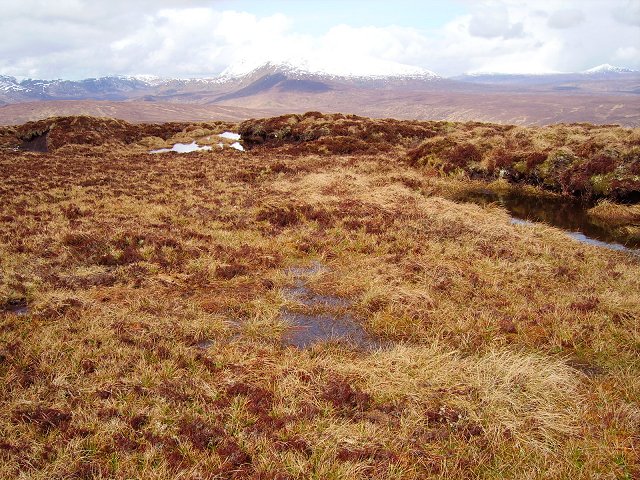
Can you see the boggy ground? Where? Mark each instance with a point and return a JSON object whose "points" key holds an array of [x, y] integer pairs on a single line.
{"points": [[142, 331], [583, 160]]}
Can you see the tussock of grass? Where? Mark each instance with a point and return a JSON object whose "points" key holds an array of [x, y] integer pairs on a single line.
{"points": [[624, 218], [616, 214]]}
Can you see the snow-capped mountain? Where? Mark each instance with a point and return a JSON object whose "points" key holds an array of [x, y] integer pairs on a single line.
{"points": [[358, 69], [607, 68], [601, 79], [316, 85], [10, 84], [301, 76]]}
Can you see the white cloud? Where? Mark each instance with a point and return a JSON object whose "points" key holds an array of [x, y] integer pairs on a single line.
{"points": [[78, 38], [628, 13], [591, 36], [566, 18], [627, 55], [491, 21]]}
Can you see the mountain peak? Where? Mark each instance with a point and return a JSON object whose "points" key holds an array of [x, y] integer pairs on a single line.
{"points": [[357, 69]]}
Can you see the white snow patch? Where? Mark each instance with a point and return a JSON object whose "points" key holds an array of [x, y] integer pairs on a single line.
{"points": [[182, 148], [237, 146], [230, 135], [221, 145]]}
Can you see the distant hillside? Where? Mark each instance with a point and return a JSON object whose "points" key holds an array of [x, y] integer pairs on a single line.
{"points": [[135, 112], [601, 95]]}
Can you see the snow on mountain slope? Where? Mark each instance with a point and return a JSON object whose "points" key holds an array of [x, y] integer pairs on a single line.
{"points": [[10, 84], [356, 68], [607, 68]]}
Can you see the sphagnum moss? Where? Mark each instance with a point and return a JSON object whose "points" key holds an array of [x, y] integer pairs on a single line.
{"points": [[151, 348]]}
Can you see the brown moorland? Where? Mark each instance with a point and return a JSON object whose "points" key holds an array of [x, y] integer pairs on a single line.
{"points": [[130, 111], [145, 302]]}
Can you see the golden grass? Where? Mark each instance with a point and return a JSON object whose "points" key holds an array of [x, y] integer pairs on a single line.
{"points": [[616, 214], [625, 219], [152, 345]]}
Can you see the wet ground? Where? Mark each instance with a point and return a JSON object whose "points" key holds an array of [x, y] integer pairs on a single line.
{"points": [[36, 144], [565, 213], [15, 307], [321, 318]]}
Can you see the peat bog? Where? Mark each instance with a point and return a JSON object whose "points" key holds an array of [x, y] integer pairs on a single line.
{"points": [[318, 305], [569, 214]]}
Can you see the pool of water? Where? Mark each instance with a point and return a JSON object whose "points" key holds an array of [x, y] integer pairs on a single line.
{"points": [[36, 144], [565, 213], [16, 307], [323, 317]]}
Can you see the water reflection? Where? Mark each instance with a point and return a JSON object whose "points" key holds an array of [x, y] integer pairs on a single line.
{"points": [[565, 213], [325, 319]]}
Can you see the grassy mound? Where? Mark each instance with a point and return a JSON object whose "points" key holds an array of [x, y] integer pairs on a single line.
{"points": [[580, 159]]}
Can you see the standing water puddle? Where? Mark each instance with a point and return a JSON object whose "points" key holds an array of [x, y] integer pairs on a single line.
{"points": [[567, 214], [16, 307], [36, 144], [329, 324]]}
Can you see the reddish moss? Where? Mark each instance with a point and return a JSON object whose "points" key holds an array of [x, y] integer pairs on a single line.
{"points": [[228, 272], [507, 326], [139, 421], [123, 443], [44, 418], [587, 304], [259, 400], [232, 455], [295, 444], [462, 155], [201, 433], [344, 396], [278, 216]]}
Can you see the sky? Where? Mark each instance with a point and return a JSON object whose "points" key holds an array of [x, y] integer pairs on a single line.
{"points": [[76, 39]]}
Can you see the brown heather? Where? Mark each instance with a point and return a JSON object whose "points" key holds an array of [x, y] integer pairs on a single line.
{"points": [[154, 286]]}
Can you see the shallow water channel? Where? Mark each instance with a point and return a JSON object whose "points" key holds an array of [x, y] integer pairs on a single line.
{"points": [[567, 214]]}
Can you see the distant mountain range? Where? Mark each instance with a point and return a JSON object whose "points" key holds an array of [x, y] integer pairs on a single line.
{"points": [[603, 94], [227, 85], [283, 77]]}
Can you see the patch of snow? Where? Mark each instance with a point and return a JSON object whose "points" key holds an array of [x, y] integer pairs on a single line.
{"points": [[230, 135], [151, 80], [11, 88], [221, 145], [237, 146], [182, 148]]}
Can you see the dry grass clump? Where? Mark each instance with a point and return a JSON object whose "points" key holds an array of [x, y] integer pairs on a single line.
{"points": [[142, 327]]}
